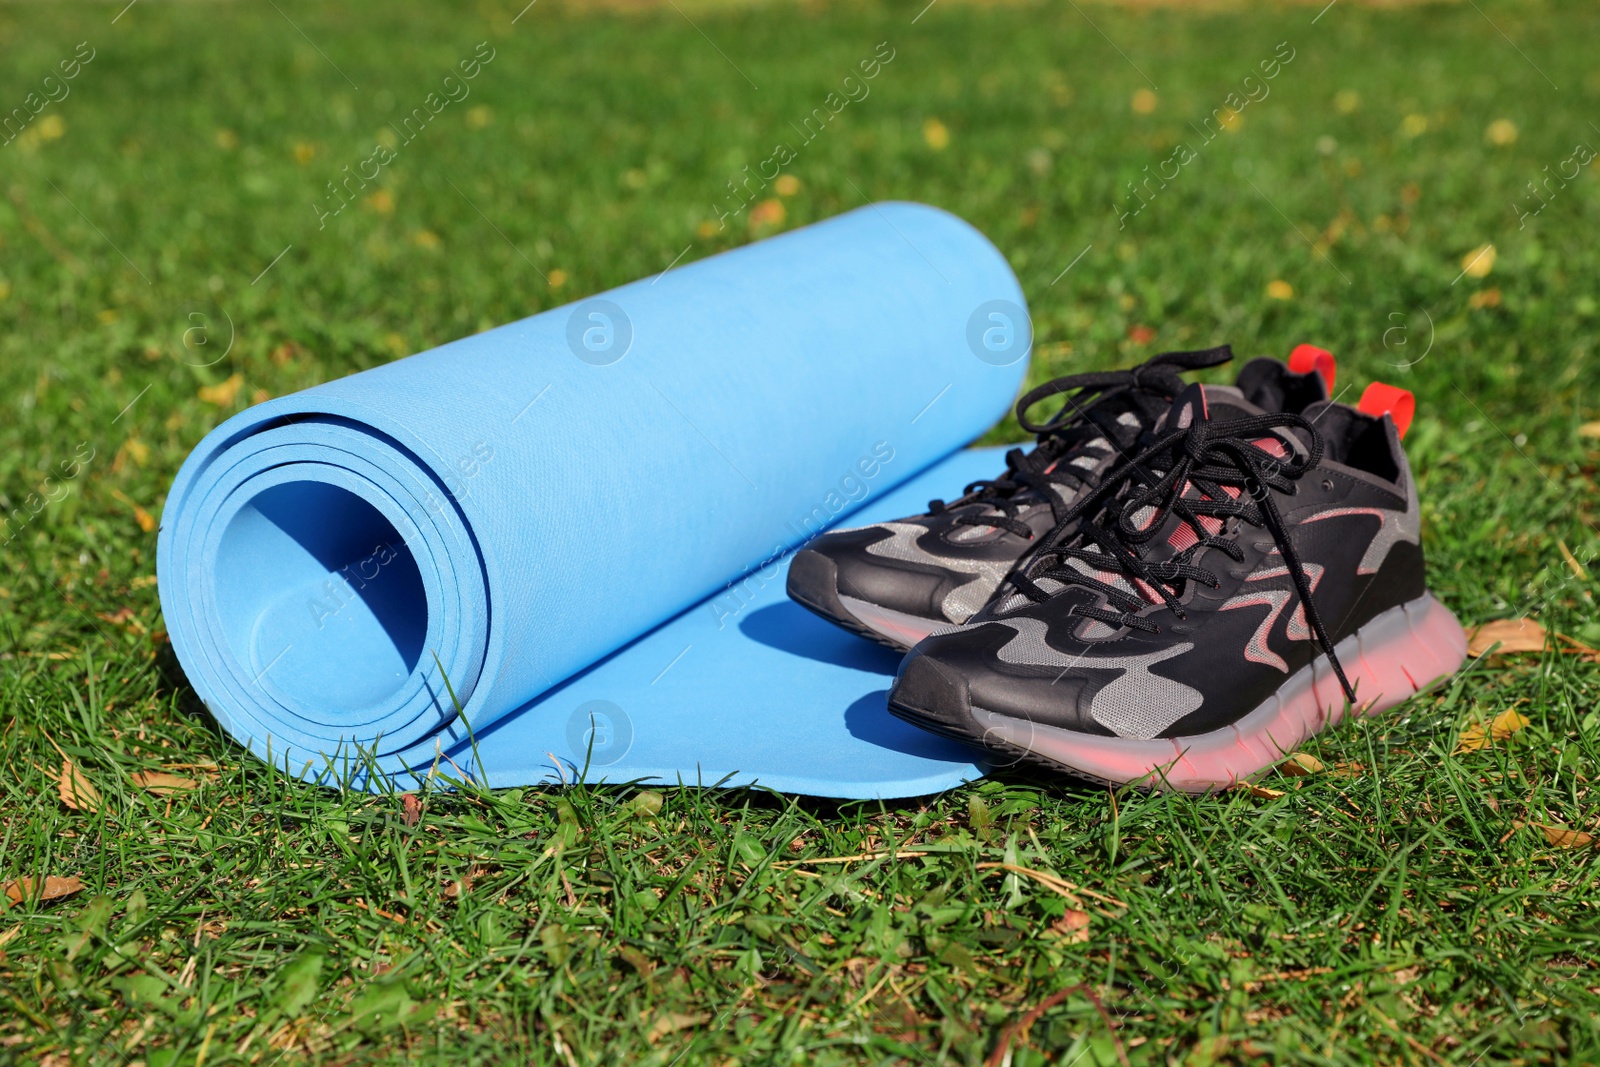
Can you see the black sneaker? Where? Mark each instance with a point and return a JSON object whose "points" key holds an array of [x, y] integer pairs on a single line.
{"points": [[896, 582], [1240, 584]]}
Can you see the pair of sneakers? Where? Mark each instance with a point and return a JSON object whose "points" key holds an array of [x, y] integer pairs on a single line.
{"points": [[1174, 587]]}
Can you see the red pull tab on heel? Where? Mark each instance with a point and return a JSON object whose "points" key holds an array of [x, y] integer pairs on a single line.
{"points": [[1399, 404], [1307, 358]]}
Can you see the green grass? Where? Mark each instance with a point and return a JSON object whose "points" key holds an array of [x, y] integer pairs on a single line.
{"points": [[1402, 910]]}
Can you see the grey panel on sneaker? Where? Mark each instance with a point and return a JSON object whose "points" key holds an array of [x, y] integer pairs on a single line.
{"points": [[941, 567], [1232, 587]]}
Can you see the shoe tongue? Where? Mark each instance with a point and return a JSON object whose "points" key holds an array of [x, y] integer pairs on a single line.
{"points": [[1214, 403]]}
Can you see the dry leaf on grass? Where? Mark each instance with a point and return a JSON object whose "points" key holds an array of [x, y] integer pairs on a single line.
{"points": [[460, 887], [1562, 837], [1573, 647], [1262, 791], [76, 791], [1073, 926], [410, 809], [1590, 429], [162, 784], [1513, 635], [53, 888], [671, 1023], [1300, 764], [1558, 836], [1500, 728], [223, 393]]}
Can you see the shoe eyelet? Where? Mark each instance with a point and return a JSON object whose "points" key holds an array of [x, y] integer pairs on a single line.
{"points": [[1327, 485]]}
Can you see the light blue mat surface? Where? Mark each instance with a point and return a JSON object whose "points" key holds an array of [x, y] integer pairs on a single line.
{"points": [[404, 561], [746, 688]]}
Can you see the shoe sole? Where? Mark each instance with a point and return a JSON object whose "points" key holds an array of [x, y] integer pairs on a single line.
{"points": [[814, 584], [1404, 651]]}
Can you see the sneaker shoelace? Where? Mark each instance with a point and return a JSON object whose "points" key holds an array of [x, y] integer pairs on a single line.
{"points": [[1233, 468], [1091, 410]]}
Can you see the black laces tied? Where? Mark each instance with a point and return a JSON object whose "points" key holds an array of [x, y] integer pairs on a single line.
{"points": [[1211, 457], [1074, 423]]}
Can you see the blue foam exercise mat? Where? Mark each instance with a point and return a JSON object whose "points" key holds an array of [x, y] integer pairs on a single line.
{"points": [[379, 572], [745, 688]]}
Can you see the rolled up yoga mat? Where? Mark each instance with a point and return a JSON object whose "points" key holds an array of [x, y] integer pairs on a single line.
{"points": [[557, 548]]}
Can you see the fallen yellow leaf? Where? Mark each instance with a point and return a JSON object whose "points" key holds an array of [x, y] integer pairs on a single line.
{"points": [[1501, 132], [1507, 723], [1300, 764], [53, 888], [1513, 635], [1590, 429], [223, 393], [1073, 926], [671, 1023], [163, 784], [123, 616], [937, 134], [131, 449], [1262, 791], [767, 213], [146, 521], [76, 791], [1500, 728], [1561, 837], [1478, 262], [1144, 101]]}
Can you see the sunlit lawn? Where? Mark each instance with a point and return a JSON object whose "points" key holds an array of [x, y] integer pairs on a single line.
{"points": [[169, 253]]}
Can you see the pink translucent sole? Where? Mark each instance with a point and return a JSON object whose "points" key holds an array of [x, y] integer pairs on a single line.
{"points": [[1400, 653], [897, 626]]}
